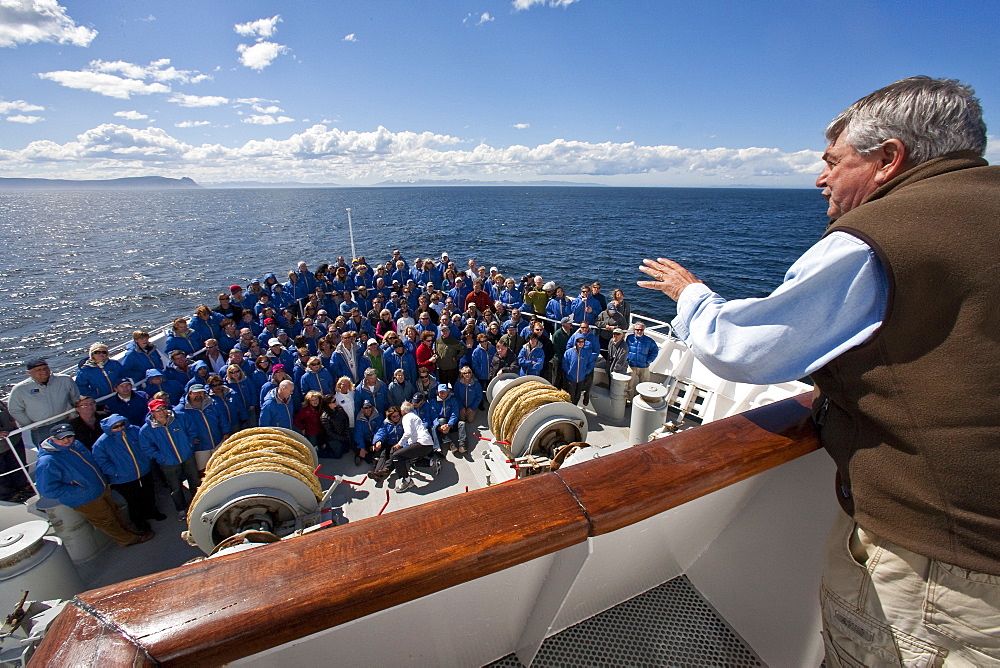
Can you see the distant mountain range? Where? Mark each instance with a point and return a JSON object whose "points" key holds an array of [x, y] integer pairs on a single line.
{"points": [[394, 184], [128, 183]]}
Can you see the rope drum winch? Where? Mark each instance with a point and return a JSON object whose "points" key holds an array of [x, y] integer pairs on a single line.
{"points": [[257, 480], [531, 420]]}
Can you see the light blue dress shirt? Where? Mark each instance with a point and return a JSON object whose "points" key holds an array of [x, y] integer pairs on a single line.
{"points": [[832, 299]]}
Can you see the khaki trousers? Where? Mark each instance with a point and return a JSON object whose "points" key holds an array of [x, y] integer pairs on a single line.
{"points": [[103, 513], [886, 606]]}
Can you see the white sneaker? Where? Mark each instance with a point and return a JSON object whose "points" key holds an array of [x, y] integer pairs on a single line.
{"points": [[404, 484]]}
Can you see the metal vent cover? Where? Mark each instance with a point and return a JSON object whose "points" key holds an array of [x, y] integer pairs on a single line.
{"points": [[669, 625]]}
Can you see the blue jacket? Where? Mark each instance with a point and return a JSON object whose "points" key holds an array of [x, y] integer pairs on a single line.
{"points": [[389, 433], [558, 309], [97, 382], [169, 445], [320, 381], [168, 385], [511, 297], [366, 428], [137, 361], [175, 374], [119, 454], [199, 374], [231, 404], [274, 413], [592, 342], [134, 409], [481, 361], [576, 365], [469, 396], [69, 475], [297, 290], [579, 310], [531, 361], [209, 422], [641, 350], [207, 329], [391, 361], [340, 367], [446, 412], [379, 396], [189, 344], [249, 395], [397, 394]]}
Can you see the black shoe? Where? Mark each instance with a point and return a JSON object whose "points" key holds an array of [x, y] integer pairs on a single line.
{"points": [[159, 517], [143, 527], [142, 538]]}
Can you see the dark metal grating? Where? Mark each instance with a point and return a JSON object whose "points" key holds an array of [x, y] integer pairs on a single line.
{"points": [[669, 625]]}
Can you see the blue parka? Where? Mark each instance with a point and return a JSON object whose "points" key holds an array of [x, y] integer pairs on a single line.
{"points": [[134, 410], [274, 413], [379, 396], [391, 361], [642, 350], [468, 395], [389, 433], [119, 454], [531, 361], [319, 381], [189, 344], [209, 421], [397, 393], [68, 474], [577, 364], [231, 404], [137, 361], [95, 381], [366, 428], [169, 445]]}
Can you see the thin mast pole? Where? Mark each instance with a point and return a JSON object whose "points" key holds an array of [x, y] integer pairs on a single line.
{"points": [[350, 229]]}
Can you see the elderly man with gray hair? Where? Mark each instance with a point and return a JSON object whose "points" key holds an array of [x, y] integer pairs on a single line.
{"points": [[893, 309]]}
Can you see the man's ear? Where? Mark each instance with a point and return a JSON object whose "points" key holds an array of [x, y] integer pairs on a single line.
{"points": [[892, 161]]}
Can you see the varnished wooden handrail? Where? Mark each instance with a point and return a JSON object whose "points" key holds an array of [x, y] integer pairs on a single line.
{"points": [[223, 609]]}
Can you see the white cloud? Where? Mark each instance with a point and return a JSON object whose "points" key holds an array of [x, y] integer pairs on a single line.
{"points": [[260, 55], [21, 118], [19, 105], [185, 100], [528, 4], [131, 115], [191, 124], [259, 29], [350, 38], [267, 119], [105, 84], [522, 126], [472, 19], [121, 79], [31, 21], [273, 109], [157, 70], [322, 154]]}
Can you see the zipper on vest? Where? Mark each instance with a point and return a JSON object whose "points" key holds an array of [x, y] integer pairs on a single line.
{"points": [[819, 416]]}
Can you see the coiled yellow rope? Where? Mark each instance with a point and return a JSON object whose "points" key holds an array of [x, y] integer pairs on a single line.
{"points": [[517, 403], [259, 449]]}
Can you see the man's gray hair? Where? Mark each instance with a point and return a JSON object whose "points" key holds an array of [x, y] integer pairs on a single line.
{"points": [[932, 117], [406, 407]]}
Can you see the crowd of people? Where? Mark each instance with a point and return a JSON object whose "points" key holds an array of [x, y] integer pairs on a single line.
{"points": [[387, 364]]}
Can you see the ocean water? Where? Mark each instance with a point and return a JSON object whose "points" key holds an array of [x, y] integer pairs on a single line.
{"points": [[85, 266]]}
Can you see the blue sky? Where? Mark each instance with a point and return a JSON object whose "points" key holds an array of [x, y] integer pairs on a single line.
{"points": [[632, 93]]}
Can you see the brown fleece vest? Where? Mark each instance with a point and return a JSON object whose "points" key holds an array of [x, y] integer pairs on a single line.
{"points": [[913, 414]]}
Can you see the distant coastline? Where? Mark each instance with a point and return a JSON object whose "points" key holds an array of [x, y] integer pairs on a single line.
{"points": [[129, 183]]}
